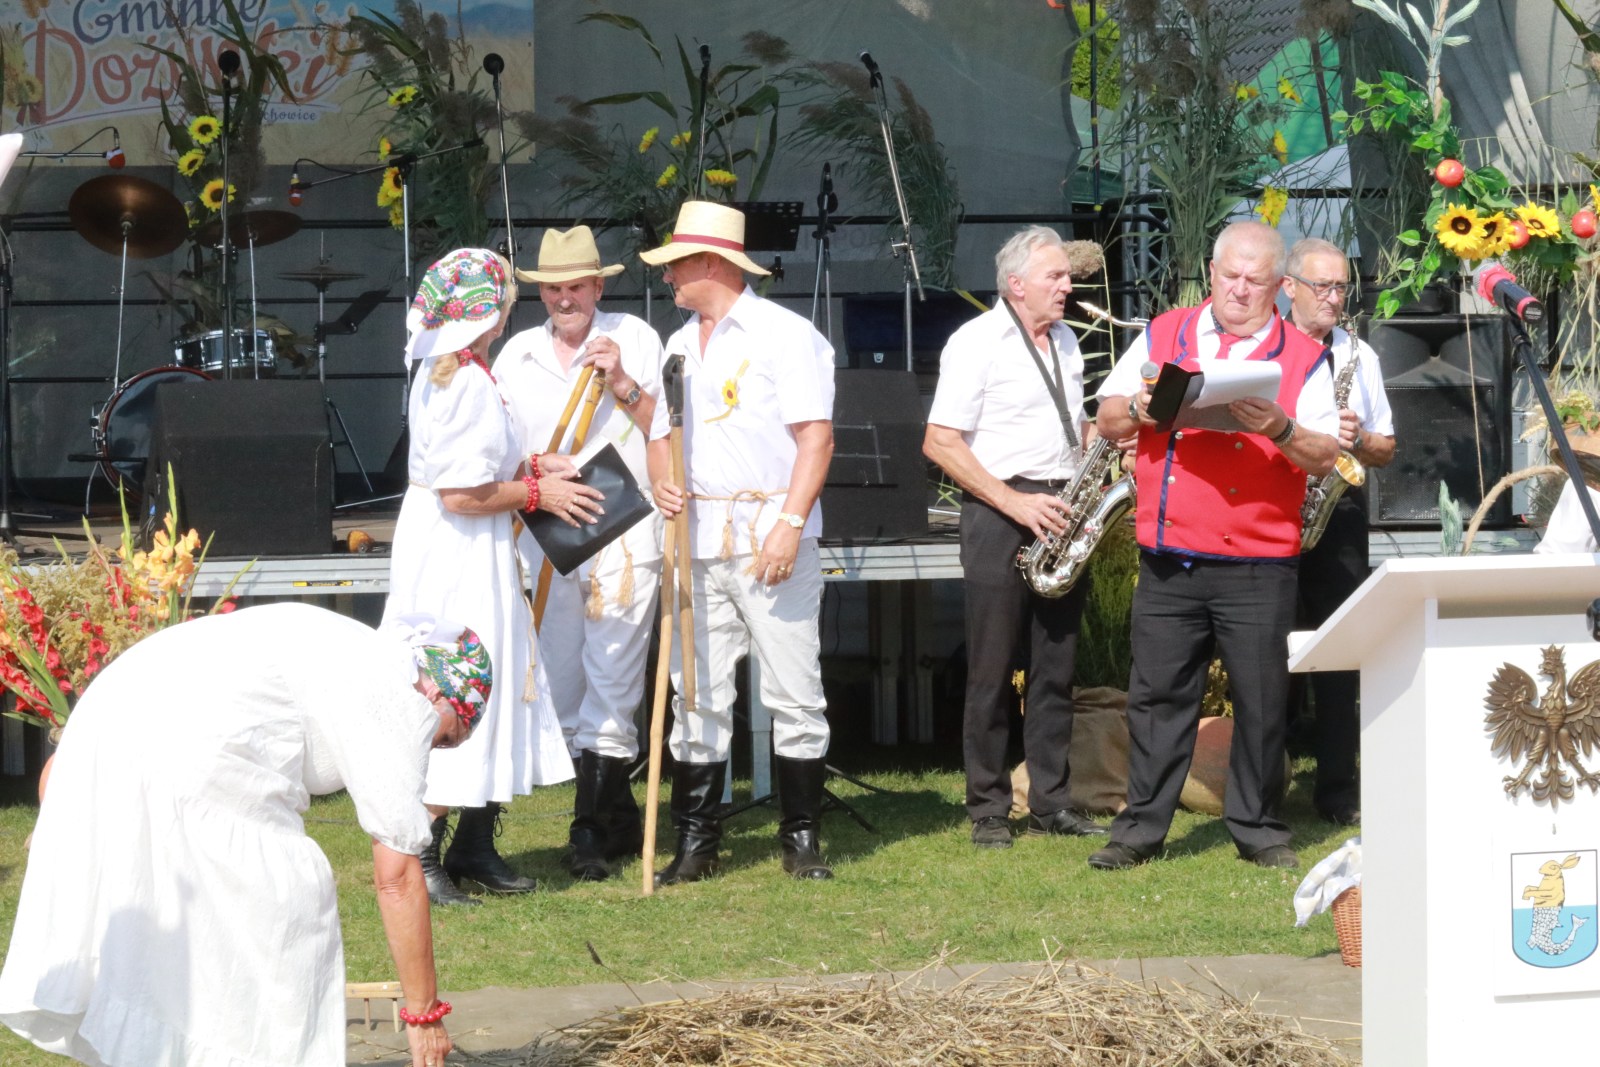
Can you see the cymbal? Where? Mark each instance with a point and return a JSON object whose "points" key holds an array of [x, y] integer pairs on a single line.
{"points": [[320, 276], [103, 209], [259, 227]]}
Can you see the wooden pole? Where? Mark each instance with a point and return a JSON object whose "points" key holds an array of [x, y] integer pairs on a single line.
{"points": [[596, 384]]}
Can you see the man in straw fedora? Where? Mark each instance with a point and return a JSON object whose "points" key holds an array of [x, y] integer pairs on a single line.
{"points": [[595, 629], [758, 435]]}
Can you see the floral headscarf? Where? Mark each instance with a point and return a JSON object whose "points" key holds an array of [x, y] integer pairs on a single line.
{"points": [[452, 658], [458, 301]]}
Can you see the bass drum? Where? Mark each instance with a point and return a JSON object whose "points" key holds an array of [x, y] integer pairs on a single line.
{"points": [[126, 423]]}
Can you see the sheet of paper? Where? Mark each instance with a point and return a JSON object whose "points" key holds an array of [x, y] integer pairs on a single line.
{"points": [[1220, 382]]}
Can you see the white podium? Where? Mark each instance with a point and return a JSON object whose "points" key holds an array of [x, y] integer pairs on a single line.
{"points": [[1459, 965]]}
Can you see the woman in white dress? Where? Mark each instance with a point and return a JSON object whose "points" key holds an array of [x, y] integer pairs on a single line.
{"points": [[173, 910], [455, 555]]}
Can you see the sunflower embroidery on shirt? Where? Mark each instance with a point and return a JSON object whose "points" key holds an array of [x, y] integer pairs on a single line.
{"points": [[730, 392]]}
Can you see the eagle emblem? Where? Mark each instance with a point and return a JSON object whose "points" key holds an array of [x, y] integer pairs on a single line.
{"points": [[1564, 724]]}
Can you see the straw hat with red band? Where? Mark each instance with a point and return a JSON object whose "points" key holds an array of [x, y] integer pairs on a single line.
{"points": [[705, 227], [566, 256]]}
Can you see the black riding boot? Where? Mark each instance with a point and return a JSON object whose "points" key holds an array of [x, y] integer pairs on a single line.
{"points": [[624, 823], [587, 838], [472, 855], [696, 800], [441, 890], [800, 799]]}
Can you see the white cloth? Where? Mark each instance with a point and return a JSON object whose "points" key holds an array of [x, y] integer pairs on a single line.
{"points": [[595, 704], [781, 369], [173, 910], [1568, 528], [734, 612], [989, 389], [536, 389], [1368, 399], [1323, 883], [464, 567], [1314, 409]]}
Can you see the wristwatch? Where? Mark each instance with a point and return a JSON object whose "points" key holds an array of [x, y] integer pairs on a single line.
{"points": [[1133, 408], [633, 396], [797, 521]]}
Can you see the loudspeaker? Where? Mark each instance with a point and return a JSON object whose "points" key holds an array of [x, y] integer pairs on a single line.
{"points": [[252, 463], [1448, 378], [877, 485], [875, 329]]}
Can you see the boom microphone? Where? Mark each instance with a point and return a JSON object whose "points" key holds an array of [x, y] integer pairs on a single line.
{"points": [[1499, 286], [872, 68], [114, 158], [295, 191], [228, 62], [493, 64]]}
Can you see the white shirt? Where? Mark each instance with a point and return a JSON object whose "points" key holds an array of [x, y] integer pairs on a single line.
{"points": [[536, 389], [1314, 409], [778, 370], [1568, 529], [989, 389], [1367, 397]]}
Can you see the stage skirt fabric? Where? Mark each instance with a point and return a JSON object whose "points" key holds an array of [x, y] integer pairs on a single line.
{"points": [[464, 568], [173, 910]]}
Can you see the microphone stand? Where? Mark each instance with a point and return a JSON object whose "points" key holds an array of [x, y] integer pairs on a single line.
{"points": [[494, 65], [912, 272], [822, 285], [705, 81], [1569, 459], [225, 251]]}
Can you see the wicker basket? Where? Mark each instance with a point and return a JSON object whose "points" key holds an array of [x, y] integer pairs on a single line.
{"points": [[1347, 924]]}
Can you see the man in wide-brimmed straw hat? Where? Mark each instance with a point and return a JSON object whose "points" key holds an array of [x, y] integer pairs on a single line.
{"points": [[758, 435], [595, 632]]}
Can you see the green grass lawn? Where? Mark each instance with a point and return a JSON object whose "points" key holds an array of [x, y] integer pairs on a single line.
{"points": [[897, 898]]}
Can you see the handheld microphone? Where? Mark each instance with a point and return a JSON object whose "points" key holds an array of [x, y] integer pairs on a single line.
{"points": [[228, 62], [827, 201], [114, 158], [493, 64], [1150, 372], [872, 68], [1499, 286], [296, 193]]}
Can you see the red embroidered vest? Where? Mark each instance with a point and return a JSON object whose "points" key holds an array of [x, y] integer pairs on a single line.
{"points": [[1215, 495]]}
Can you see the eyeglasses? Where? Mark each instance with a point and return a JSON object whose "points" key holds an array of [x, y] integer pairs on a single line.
{"points": [[1322, 289]]}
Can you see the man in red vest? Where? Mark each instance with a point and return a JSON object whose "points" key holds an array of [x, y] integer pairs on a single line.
{"points": [[1219, 533]]}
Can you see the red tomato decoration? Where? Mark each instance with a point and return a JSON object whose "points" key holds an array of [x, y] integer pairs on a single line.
{"points": [[1450, 172], [1519, 233], [1584, 223]]}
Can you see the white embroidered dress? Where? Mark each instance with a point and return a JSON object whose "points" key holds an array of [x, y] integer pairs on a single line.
{"points": [[174, 911], [464, 568]]}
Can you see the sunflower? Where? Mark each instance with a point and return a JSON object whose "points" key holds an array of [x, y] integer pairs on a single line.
{"points": [[204, 129], [403, 96], [391, 190], [681, 139], [1245, 93], [1493, 236], [397, 216], [668, 176], [730, 392], [648, 139], [1540, 221], [385, 146], [721, 177], [1273, 201], [1594, 197], [1280, 147], [1458, 231], [211, 195], [1288, 91], [189, 163]]}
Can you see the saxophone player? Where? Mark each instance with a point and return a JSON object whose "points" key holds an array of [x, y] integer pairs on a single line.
{"points": [[1316, 283], [1007, 424], [1218, 526]]}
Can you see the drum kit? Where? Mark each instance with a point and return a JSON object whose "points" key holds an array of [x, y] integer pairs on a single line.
{"points": [[133, 218]]}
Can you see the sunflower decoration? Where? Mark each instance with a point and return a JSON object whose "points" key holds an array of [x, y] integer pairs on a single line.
{"points": [[1272, 205], [1494, 236], [730, 393], [1287, 90], [668, 176], [723, 178], [204, 129], [392, 189], [1458, 231], [1540, 221], [189, 163], [648, 139], [1280, 146], [211, 194]]}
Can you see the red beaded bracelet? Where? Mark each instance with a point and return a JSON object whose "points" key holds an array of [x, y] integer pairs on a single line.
{"points": [[533, 464], [440, 1010], [532, 482]]}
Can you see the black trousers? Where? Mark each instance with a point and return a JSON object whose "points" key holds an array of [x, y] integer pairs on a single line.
{"points": [[1009, 628], [1181, 616], [1329, 573]]}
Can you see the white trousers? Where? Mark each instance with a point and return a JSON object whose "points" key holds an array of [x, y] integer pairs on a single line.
{"points": [[733, 613], [596, 666]]}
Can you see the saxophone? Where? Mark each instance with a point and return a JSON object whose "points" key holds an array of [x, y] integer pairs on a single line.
{"points": [[1324, 492], [1053, 564]]}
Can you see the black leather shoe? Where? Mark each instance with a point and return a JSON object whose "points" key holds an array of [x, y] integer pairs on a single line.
{"points": [[1065, 822], [442, 892], [1279, 856], [696, 812], [1344, 815], [1117, 857], [472, 854], [991, 831]]}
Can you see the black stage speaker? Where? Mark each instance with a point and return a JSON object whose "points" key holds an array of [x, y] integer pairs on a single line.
{"points": [[875, 329], [877, 486], [1448, 378], [252, 462]]}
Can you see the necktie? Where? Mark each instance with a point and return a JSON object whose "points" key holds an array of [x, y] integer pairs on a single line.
{"points": [[1227, 340]]}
